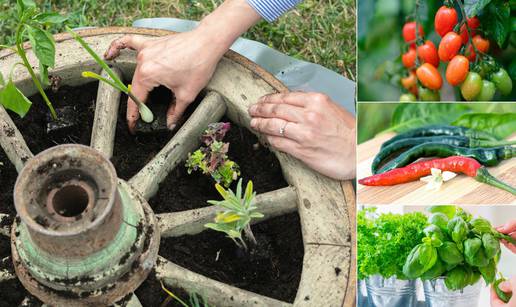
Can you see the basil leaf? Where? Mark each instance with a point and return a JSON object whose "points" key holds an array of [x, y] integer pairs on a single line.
{"points": [[43, 45], [50, 18], [449, 210], [496, 21], [413, 115], [449, 253], [472, 7], [456, 279], [491, 245], [440, 220], [11, 98], [501, 125]]}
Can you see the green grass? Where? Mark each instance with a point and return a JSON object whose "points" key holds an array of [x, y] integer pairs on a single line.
{"points": [[322, 32]]}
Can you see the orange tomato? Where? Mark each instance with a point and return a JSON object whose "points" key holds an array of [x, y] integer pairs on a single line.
{"points": [[409, 58], [429, 76], [457, 70]]}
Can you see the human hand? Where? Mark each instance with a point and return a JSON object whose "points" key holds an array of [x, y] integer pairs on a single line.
{"points": [[508, 286], [183, 62], [509, 229], [316, 130]]}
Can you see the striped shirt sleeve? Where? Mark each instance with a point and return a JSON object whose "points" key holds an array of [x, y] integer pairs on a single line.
{"points": [[270, 10]]}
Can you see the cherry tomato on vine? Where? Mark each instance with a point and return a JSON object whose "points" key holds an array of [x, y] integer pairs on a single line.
{"points": [[502, 81], [428, 53], [487, 91], [473, 24], [471, 87], [445, 20], [429, 95], [410, 82], [429, 76], [409, 32], [457, 70], [407, 98], [449, 46], [409, 58], [481, 43], [470, 53]]}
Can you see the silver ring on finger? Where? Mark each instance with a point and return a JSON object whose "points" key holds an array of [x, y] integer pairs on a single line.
{"points": [[282, 129]]}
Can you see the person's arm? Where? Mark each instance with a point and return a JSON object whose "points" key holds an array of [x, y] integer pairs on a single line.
{"points": [[184, 62], [270, 10]]}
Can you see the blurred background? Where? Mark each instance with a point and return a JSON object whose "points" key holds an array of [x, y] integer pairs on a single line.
{"points": [[373, 118], [321, 32], [380, 44]]}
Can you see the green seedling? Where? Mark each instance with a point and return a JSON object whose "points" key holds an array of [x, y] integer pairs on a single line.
{"points": [[237, 213], [195, 301], [145, 112], [212, 158], [31, 24]]}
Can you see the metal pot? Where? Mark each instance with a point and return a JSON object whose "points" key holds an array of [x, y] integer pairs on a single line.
{"points": [[438, 295], [390, 292], [362, 294]]}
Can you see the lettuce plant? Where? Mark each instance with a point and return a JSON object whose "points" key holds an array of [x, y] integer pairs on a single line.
{"points": [[31, 24], [237, 213], [145, 112], [212, 158]]}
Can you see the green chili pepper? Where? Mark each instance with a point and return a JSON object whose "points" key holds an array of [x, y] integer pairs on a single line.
{"points": [[504, 296], [442, 130], [485, 156], [402, 145]]}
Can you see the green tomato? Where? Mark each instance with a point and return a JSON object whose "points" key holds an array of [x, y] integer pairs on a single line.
{"points": [[471, 87], [502, 81], [407, 98], [426, 94], [487, 92]]}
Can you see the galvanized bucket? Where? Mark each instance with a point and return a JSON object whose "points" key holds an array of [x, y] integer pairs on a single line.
{"points": [[390, 292], [362, 294], [438, 295]]}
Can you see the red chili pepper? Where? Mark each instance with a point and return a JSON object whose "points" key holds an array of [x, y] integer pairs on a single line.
{"points": [[456, 164]]}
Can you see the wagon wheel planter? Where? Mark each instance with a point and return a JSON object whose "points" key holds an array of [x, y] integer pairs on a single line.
{"points": [[98, 251]]}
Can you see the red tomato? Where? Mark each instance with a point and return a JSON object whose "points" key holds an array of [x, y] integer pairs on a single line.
{"points": [[445, 20], [481, 43], [410, 83], [409, 58], [409, 32], [470, 53], [428, 53], [457, 70], [473, 24], [429, 76], [449, 46]]}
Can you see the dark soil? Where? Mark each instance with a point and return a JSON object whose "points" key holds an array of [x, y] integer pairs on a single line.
{"points": [[273, 268]]}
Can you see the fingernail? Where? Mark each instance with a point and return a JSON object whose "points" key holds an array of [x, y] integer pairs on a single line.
{"points": [[252, 109], [171, 126], [254, 121]]}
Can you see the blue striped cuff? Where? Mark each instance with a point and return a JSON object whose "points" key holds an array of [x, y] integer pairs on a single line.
{"points": [[270, 10]]}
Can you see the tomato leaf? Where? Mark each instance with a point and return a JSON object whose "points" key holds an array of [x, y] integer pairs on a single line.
{"points": [[473, 7], [496, 20], [412, 115], [11, 98], [43, 45], [501, 125]]}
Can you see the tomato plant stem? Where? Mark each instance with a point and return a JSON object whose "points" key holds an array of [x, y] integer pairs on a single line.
{"points": [[470, 38]]}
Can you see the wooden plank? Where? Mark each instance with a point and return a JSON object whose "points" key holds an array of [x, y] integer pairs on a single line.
{"points": [[106, 114], [217, 293], [325, 277], [461, 190], [192, 222], [350, 194], [12, 141]]}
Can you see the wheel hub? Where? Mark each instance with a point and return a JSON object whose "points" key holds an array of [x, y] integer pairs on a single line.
{"points": [[83, 236]]}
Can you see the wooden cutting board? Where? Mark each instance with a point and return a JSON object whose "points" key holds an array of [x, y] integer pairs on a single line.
{"points": [[461, 190]]}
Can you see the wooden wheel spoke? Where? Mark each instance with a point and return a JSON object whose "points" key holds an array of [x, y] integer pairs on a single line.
{"points": [[216, 293], [5, 230], [191, 222], [5, 274], [106, 113], [147, 181], [12, 141]]}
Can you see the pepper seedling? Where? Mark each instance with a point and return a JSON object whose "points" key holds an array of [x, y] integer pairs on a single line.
{"points": [[31, 24], [145, 112], [212, 158], [237, 214], [194, 299]]}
